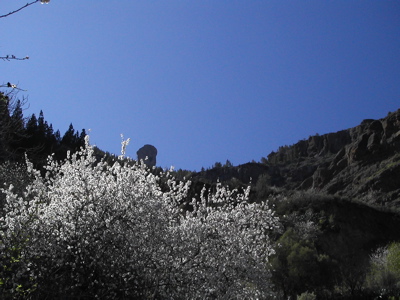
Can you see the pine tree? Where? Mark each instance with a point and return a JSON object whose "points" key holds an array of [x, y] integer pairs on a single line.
{"points": [[69, 138], [18, 134], [4, 126]]}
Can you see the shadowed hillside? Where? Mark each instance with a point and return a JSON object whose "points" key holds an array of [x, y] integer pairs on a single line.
{"points": [[338, 198], [361, 162]]}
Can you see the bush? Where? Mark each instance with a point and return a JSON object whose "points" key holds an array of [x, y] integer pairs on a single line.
{"points": [[384, 274], [90, 230], [307, 296]]}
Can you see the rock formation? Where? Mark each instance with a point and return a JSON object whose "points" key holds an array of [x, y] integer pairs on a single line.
{"points": [[148, 154], [361, 162]]}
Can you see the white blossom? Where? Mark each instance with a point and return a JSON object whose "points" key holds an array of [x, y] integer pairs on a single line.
{"points": [[116, 231]]}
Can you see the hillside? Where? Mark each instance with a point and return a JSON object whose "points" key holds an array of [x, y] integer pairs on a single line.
{"points": [[361, 162], [338, 198]]}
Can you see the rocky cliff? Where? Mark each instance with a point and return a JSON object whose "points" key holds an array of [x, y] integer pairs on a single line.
{"points": [[361, 162]]}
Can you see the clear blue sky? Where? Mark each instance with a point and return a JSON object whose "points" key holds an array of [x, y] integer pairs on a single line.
{"points": [[204, 80]]}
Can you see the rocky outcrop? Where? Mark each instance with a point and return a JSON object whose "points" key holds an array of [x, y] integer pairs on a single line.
{"points": [[148, 154], [362, 162], [315, 146], [372, 139]]}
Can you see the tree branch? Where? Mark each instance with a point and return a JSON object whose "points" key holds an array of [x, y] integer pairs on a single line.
{"points": [[9, 57], [21, 8]]}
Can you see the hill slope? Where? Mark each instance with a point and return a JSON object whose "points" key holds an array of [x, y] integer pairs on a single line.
{"points": [[361, 162]]}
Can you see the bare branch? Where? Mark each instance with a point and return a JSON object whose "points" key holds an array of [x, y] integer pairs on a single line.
{"points": [[10, 57], [21, 8]]}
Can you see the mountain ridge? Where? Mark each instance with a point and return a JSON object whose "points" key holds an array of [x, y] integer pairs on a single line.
{"points": [[361, 162]]}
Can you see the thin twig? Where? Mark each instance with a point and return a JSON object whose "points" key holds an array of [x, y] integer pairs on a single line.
{"points": [[15, 11], [9, 57]]}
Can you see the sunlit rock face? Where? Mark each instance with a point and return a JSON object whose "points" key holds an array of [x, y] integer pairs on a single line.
{"points": [[148, 154]]}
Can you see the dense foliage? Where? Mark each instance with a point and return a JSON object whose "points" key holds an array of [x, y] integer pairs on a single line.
{"points": [[32, 136], [91, 230], [384, 274]]}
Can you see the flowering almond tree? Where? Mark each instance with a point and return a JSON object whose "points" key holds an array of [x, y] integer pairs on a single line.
{"points": [[89, 230]]}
